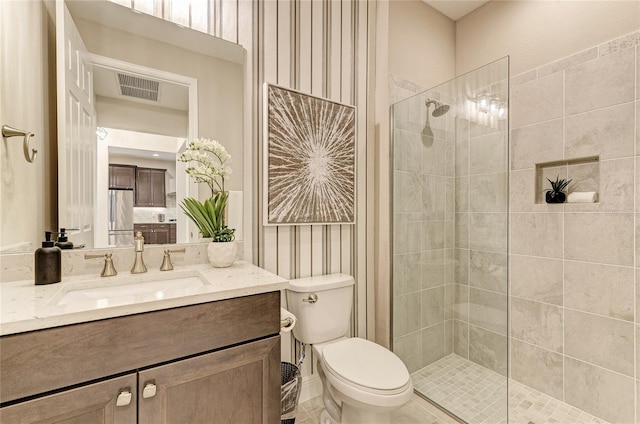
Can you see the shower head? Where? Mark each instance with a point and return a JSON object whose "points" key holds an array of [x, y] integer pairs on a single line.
{"points": [[440, 109]]}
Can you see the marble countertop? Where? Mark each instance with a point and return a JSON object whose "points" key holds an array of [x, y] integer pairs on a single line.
{"points": [[154, 222], [27, 307]]}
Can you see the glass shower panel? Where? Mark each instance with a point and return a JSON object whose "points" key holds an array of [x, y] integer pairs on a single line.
{"points": [[450, 191]]}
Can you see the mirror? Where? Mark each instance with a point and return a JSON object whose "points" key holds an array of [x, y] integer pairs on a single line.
{"points": [[205, 72]]}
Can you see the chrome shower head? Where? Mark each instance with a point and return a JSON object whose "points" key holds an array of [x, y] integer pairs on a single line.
{"points": [[440, 108]]}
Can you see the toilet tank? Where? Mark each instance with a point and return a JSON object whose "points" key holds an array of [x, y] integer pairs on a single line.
{"points": [[329, 317]]}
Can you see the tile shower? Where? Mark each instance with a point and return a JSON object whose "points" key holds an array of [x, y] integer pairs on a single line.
{"points": [[467, 201]]}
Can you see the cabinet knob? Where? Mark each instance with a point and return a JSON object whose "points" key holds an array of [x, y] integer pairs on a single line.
{"points": [[149, 390], [124, 397]]}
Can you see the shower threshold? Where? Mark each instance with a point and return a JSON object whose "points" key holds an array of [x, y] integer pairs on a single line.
{"points": [[477, 395]]}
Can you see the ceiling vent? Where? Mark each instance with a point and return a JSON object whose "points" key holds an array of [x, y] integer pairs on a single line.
{"points": [[137, 87]]}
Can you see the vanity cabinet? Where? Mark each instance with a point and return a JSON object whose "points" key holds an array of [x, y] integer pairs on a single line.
{"points": [[150, 187], [213, 361], [122, 176], [229, 385], [157, 233]]}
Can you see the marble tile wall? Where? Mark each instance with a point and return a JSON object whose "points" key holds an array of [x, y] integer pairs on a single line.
{"points": [[574, 283], [423, 261], [480, 290]]}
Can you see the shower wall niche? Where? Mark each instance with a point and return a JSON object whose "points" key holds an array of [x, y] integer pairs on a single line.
{"points": [[583, 174], [450, 185]]}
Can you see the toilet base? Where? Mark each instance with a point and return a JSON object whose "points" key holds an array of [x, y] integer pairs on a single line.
{"points": [[342, 409]]}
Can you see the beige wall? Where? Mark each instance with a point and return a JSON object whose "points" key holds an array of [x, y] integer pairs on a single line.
{"points": [[121, 114], [422, 43], [27, 189], [537, 32]]}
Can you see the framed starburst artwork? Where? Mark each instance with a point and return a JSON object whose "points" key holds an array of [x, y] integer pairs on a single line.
{"points": [[309, 159]]}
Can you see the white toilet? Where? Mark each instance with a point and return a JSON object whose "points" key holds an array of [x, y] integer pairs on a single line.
{"points": [[362, 382]]}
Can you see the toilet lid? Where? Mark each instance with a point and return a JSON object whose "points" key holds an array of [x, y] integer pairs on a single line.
{"points": [[366, 364]]}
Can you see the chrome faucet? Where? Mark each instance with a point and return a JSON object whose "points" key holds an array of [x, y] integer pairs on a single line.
{"points": [[138, 266]]}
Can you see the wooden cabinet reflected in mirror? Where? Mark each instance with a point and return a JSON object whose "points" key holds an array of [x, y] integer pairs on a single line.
{"points": [[151, 187], [157, 233], [122, 176]]}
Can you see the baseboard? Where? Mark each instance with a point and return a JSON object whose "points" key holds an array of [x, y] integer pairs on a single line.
{"points": [[311, 387]]}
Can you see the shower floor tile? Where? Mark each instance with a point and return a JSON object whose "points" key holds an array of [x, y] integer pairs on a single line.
{"points": [[417, 411], [478, 395]]}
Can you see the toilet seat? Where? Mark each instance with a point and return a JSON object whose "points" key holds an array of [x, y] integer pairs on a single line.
{"points": [[365, 367]]}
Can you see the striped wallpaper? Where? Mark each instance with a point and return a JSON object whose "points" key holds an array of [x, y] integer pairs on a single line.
{"points": [[325, 48]]}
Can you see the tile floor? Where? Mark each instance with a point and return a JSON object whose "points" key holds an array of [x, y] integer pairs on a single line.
{"points": [[478, 395], [417, 411], [475, 394]]}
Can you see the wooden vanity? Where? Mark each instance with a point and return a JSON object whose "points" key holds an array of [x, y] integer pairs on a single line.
{"points": [[213, 362]]}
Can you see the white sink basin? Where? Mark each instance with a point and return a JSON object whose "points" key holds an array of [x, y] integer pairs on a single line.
{"points": [[126, 293]]}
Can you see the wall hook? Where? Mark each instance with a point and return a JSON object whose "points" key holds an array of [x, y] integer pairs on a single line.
{"points": [[8, 131]]}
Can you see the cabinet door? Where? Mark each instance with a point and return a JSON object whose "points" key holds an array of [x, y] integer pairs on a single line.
{"points": [[122, 176], [143, 192], [150, 187], [161, 233], [235, 385], [157, 187], [91, 404]]}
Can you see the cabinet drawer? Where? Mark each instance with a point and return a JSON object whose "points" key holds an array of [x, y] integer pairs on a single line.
{"points": [[40, 361]]}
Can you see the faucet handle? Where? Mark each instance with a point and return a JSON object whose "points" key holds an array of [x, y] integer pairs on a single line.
{"points": [[108, 270], [166, 261], [138, 241]]}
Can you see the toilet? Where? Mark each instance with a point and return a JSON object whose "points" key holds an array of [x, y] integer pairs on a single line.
{"points": [[362, 382]]}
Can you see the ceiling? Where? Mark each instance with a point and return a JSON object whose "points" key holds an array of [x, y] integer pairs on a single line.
{"points": [[455, 9], [170, 95]]}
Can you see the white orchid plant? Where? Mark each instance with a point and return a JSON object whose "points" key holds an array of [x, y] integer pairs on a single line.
{"points": [[208, 163]]}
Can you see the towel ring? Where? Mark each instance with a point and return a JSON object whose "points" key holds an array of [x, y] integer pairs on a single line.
{"points": [[8, 131]]}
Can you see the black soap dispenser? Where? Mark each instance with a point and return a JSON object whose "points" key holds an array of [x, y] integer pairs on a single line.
{"points": [[63, 241], [48, 262]]}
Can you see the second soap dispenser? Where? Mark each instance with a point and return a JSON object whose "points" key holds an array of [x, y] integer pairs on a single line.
{"points": [[63, 241], [48, 262]]}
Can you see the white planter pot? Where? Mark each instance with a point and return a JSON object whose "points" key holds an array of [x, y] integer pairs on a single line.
{"points": [[222, 254]]}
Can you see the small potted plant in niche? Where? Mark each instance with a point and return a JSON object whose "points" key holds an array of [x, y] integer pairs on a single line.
{"points": [[208, 163], [556, 193]]}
